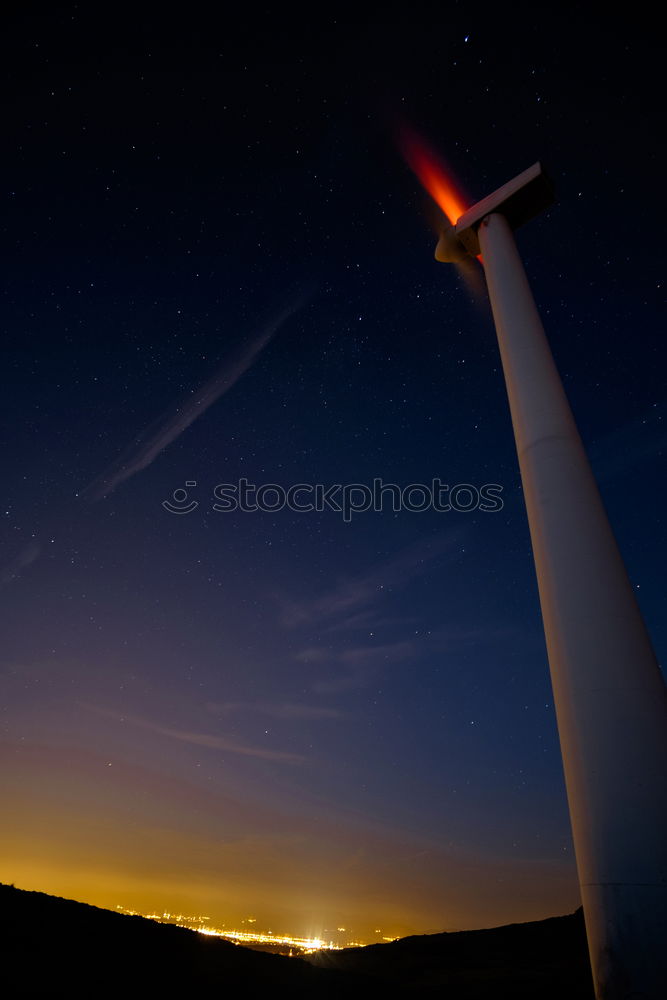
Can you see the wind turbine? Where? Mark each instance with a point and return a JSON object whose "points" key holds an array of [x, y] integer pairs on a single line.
{"points": [[609, 693]]}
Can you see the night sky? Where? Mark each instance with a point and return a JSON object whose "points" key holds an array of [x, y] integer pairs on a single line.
{"points": [[218, 266]]}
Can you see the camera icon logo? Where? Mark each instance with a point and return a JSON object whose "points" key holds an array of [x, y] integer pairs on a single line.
{"points": [[178, 503]]}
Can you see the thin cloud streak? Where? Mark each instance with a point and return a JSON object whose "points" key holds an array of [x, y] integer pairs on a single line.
{"points": [[226, 744], [26, 557], [357, 667], [212, 742], [284, 710], [354, 606], [355, 597], [140, 455]]}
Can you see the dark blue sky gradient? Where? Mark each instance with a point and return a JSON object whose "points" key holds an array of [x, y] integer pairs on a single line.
{"points": [[283, 715]]}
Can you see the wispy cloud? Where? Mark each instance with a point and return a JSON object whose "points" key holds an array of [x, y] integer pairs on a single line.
{"points": [[358, 655], [157, 437], [357, 667], [280, 710], [353, 599], [212, 741], [26, 557], [353, 615], [365, 619], [227, 744]]}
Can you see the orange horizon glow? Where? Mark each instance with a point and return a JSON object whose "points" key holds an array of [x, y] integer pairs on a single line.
{"points": [[432, 173]]}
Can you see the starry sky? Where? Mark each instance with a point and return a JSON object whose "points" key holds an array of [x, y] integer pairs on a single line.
{"points": [[218, 266]]}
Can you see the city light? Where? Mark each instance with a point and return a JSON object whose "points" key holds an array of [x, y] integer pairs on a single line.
{"points": [[200, 924]]}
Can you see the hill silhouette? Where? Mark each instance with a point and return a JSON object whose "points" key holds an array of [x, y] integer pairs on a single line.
{"points": [[58, 947], [545, 959]]}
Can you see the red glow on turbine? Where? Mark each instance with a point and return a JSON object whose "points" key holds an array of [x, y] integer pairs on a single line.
{"points": [[432, 173]]}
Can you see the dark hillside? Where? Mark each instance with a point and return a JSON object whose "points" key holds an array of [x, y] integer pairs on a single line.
{"points": [[546, 959], [56, 947]]}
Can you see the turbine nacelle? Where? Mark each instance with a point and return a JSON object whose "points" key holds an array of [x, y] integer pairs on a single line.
{"points": [[450, 250], [525, 196]]}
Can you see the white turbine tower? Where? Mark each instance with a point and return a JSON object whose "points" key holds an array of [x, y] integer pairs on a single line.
{"points": [[610, 697]]}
